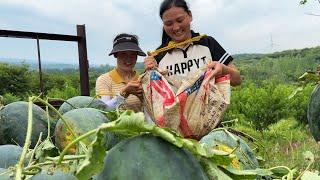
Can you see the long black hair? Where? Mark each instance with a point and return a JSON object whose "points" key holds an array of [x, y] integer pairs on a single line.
{"points": [[167, 4]]}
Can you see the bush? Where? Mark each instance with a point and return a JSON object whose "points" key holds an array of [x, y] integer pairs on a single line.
{"points": [[8, 98], [65, 93], [15, 79], [260, 106], [298, 105]]}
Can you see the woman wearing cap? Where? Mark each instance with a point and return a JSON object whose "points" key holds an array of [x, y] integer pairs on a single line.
{"points": [[121, 85], [176, 17]]}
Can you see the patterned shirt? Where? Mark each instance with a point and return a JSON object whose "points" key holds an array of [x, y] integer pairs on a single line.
{"points": [[110, 84]]}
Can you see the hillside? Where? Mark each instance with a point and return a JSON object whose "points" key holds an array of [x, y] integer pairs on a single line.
{"points": [[281, 67]]}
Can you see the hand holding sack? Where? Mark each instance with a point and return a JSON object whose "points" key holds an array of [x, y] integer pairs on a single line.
{"points": [[191, 106]]}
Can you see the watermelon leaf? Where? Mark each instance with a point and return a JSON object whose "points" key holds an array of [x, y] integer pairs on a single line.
{"points": [[245, 174], [213, 171], [94, 161], [45, 149]]}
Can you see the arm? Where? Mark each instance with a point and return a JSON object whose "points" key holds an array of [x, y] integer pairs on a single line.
{"points": [[222, 62], [231, 69], [103, 90], [114, 102], [221, 69]]}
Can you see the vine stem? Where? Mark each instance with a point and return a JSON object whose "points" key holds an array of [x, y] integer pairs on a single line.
{"points": [[66, 158], [59, 114], [26, 143], [65, 150], [63, 120], [48, 120], [34, 149], [89, 133]]}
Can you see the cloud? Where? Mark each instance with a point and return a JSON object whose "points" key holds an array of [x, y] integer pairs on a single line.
{"points": [[239, 25]]}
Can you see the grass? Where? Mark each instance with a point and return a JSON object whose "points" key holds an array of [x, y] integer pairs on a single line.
{"points": [[284, 144]]}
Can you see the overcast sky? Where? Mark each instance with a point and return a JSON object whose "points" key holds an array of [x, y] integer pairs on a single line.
{"points": [[241, 26]]}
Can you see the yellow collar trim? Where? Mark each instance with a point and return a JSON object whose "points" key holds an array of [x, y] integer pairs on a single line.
{"points": [[115, 76]]}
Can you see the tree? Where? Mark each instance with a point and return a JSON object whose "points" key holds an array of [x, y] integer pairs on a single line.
{"points": [[302, 2]]}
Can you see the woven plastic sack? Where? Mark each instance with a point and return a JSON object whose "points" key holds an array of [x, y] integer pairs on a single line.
{"points": [[191, 106]]}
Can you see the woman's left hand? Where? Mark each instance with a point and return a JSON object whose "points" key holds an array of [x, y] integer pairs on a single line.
{"points": [[216, 67]]}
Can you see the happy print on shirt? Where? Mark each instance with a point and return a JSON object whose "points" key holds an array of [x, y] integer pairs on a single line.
{"points": [[181, 62]]}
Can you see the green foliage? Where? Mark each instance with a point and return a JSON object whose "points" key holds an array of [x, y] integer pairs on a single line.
{"points": [[281, 67], [298, 105], [15, 79], [9, 98], [303, 1], [284, 143], [65, 93], [261, 106]]}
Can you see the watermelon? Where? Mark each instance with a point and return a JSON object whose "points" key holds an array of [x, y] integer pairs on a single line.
{"points": [[81, 121], [314, 113], [221, 140], [14, 123], [9, 155], [6, 174], [53, 176], [82, 102], [147, 157]]}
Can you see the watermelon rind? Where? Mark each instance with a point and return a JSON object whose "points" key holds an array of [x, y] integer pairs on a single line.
{"points": [[14, 123], [147, 157], [313, 114], [81, 121], [82, 102]]}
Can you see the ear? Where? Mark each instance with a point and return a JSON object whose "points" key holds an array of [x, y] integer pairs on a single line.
{"points": [[190, 14]]}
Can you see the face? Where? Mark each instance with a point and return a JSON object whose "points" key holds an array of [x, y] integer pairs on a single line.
{"points": [[176, 23], [126, 60]]}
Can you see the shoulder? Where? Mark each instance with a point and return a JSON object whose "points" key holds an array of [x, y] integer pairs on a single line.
{"points": [[160, 55], [104, 78], [208, 41]]}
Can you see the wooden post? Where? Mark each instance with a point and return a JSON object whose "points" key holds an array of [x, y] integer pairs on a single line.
{"points": [[83, 61], [40, 70]]}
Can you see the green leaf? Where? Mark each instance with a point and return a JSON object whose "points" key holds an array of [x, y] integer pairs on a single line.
{"points": [[245, 174], [94, 161], [213, 171], [111, 115], [309, 77], [134, 123], [296, 92], [46, 149], [282, 171]]}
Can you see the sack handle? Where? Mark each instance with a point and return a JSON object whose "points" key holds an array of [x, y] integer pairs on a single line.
{"points": [[174, 45]]}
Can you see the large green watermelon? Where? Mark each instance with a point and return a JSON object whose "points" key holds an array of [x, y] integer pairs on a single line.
{"points": [[147, 157], [314, 113], [82, 102], [221, 140], [81, 121], [9, 155], [14, 123], [58, 175]]}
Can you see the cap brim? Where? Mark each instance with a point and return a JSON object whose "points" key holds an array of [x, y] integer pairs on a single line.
{"points": [[127, 46]]}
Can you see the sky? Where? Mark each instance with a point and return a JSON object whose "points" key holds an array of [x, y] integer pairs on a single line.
{"points": [[240, 26]]}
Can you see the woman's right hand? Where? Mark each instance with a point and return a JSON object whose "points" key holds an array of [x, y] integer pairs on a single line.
{"points": [[150, 63], [133, 87]]}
